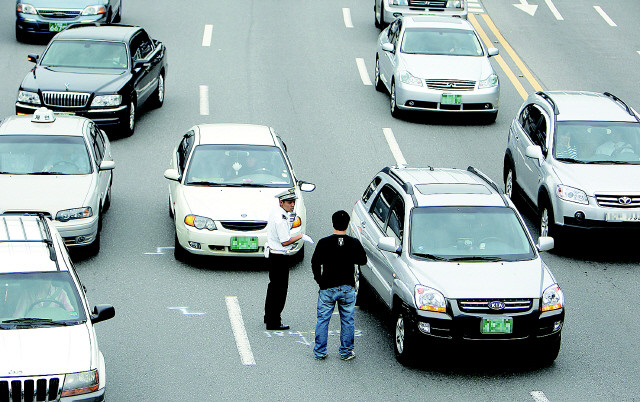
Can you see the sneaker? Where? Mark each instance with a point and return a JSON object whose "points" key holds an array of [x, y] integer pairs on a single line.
{"points": [[324, 356], [350, 356]]}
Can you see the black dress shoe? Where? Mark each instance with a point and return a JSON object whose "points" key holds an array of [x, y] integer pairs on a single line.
{"points": [[278, 327]]}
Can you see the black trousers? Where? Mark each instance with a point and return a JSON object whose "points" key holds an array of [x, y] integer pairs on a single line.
{"points": [[277, 289]]}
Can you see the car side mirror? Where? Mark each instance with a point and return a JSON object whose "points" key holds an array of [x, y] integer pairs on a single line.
{"points": [[306, 186], [545, 243], [172, 174], [107, 165], [102, 312], [493, 51], [33, 58], [388, 47], [389, 244], [534, 152], [141, 63]]}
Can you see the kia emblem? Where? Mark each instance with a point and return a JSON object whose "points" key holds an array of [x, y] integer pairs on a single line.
{"points": [[496, 305]]}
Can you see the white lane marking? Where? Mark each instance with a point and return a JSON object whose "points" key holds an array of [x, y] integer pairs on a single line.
{"points": [[526, 7], [554, 10], [239, 332], [160, 250], [184, 310], [206, 36], [474, 7], [538, 396], [395, 149], [346, 15], [605, 16], [638, 51], [204, 100], [362, 69]]}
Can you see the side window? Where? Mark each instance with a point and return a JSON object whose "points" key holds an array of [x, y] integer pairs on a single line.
{"points": [[382, 206], [536, 127], [393, 31], [370, 189], [183, 151], [98, 144], [396, 219], [395, 37], [140, 46], [524, 118]]}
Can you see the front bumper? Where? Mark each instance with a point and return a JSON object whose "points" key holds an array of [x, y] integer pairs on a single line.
{"points": [[97, 396], [78, 232], [412, 97], [392, 12], [105, 118], [35, 24], [572, 215]]}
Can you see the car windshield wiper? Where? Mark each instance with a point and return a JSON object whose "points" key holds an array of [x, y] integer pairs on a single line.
{"points": [[612, 162], [478, 258], [45, 173], [570, 160], [40, 321], [204, 183], [431, 257], [245, 185]]}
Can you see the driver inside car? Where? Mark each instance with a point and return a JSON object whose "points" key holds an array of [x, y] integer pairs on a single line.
{"points": [[42, 294], [67, 160]]}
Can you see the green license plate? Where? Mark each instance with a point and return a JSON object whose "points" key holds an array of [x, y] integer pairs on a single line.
{"points": [[64, 113], [244, 243], [451, 99], [500, 325], [57, 26]]}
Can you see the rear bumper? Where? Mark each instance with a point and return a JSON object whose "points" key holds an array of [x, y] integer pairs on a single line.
{"points": [[31, 24], [393, 12]]}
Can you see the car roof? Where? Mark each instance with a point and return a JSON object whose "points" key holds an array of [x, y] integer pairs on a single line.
{"points": [[450, 187], [120, 33], [24, 245], [62, 125], [588, 106], [435, 21], [234, 134]]}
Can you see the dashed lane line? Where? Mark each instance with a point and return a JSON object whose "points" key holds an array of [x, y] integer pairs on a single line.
{"points": [[239, 331], [393, 145], [346, 15], [362, 69], [206, 36], [204, 100], [554, 10], [605, 16], [538, 396]]}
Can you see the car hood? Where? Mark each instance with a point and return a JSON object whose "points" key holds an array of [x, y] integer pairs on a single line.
{"points": [[77, 80], [61, 4], [44, 193], [481, 280], [446, 67], [600, 178], [45, 351], [229, 203]]}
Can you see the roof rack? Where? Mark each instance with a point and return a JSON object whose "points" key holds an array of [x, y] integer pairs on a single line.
{"points": [[488, 180], [546, 97], [406, 186], [44, 229], [616, 99]]}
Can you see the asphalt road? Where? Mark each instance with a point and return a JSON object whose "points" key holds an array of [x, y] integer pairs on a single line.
{"points": [[292, 65]]}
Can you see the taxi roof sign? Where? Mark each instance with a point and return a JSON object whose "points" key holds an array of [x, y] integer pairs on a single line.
{"points": [[43, 115]]}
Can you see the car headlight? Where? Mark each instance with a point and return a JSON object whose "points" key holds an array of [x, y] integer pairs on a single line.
{"points": [[572, 194], [94, 10], [28, 97], [455, 4], [429, 299], [408, 78], [200, 222], [74, 213], [297, 222], [489, 82], [80, 383], [398, 2], [552, 298], [106, 100], [26, 8]]}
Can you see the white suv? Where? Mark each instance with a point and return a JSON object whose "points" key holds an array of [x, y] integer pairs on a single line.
{"points": [[48, 345]]}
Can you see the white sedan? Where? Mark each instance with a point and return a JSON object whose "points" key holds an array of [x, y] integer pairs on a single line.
{"points": [[223, 179]]}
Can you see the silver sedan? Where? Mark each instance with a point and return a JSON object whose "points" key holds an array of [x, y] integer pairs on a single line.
{"points": [[436, 63]]}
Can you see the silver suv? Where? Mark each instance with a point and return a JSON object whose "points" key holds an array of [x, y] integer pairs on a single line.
{"points": [[575, 157], [47, 340], [451, 257], [385, 11]]}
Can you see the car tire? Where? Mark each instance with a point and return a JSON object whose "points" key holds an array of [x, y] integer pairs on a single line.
{"points": [[179, 252], [170, 210], [157, 97], [20, 36], [547, 350], [128, 122], [404, 343], [395, 112], [490, 118], [510, 186], [362, 288], [378, 82], [376, 21], [94, 248], [381, 23], [298, 257], [118, 17], [107, 199], [546, 221]]}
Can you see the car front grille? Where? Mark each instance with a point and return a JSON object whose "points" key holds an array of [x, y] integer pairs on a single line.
{"points": [[244, 226], [31, 389], [65, 99], [618, 201], [58, 13], [428, 3], [451, 85], [482, 305]]}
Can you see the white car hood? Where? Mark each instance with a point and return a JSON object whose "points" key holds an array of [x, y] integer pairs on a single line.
{"points": [[45, 351], [482, 280], [447, 67], [593, 179], [231, 203], [44, 193]]}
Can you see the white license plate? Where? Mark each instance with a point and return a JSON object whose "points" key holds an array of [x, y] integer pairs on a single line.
{"points": [[622, 217]]}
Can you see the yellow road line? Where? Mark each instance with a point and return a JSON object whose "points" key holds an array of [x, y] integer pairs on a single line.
{"points": [[503, 64], [525, 71]]}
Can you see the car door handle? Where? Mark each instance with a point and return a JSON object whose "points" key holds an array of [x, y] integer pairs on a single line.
{"points": [[363, 224]]}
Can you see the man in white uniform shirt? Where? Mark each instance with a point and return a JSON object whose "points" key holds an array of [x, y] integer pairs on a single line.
{"points": [[279, 245]]}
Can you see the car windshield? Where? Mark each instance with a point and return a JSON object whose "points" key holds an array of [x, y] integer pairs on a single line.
{"points": [[43, 154], [238, 165], [39, 298], [86, 54], [597, 142], [456, 42], [469, 233]]}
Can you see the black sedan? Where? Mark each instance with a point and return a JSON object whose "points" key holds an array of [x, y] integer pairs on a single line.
{"points": [[103, 72]]}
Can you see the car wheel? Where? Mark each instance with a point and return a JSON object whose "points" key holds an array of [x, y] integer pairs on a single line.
{"points": [[94, 248], [382, 23], [362, 289], [547, 351], [378, 82], [395, 112], [157, 98], [376, 19], [20, 36], [179, 252], [128, 122], [405, 339], [490, 118], [107, 199], [170, 210], [118, 16], [297, 257], [510, 181], [547, 223]]}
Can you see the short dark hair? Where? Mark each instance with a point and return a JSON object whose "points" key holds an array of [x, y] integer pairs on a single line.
{"points": [[340, 220]]}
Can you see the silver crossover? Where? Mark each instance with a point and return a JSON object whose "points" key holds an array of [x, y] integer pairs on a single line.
{"points": [[388, 10], [436, 63]]}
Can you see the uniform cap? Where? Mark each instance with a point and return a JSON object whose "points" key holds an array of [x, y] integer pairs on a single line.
{"points": [[287, 195]]}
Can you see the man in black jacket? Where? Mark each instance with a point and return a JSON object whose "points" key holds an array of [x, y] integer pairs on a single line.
{"points": [[333, 264]]}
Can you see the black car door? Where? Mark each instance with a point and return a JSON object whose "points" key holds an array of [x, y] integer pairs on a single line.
{"points": [[146, 61]]}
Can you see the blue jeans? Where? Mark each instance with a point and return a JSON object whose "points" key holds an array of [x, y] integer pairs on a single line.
{"points": [[345, 296]]}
